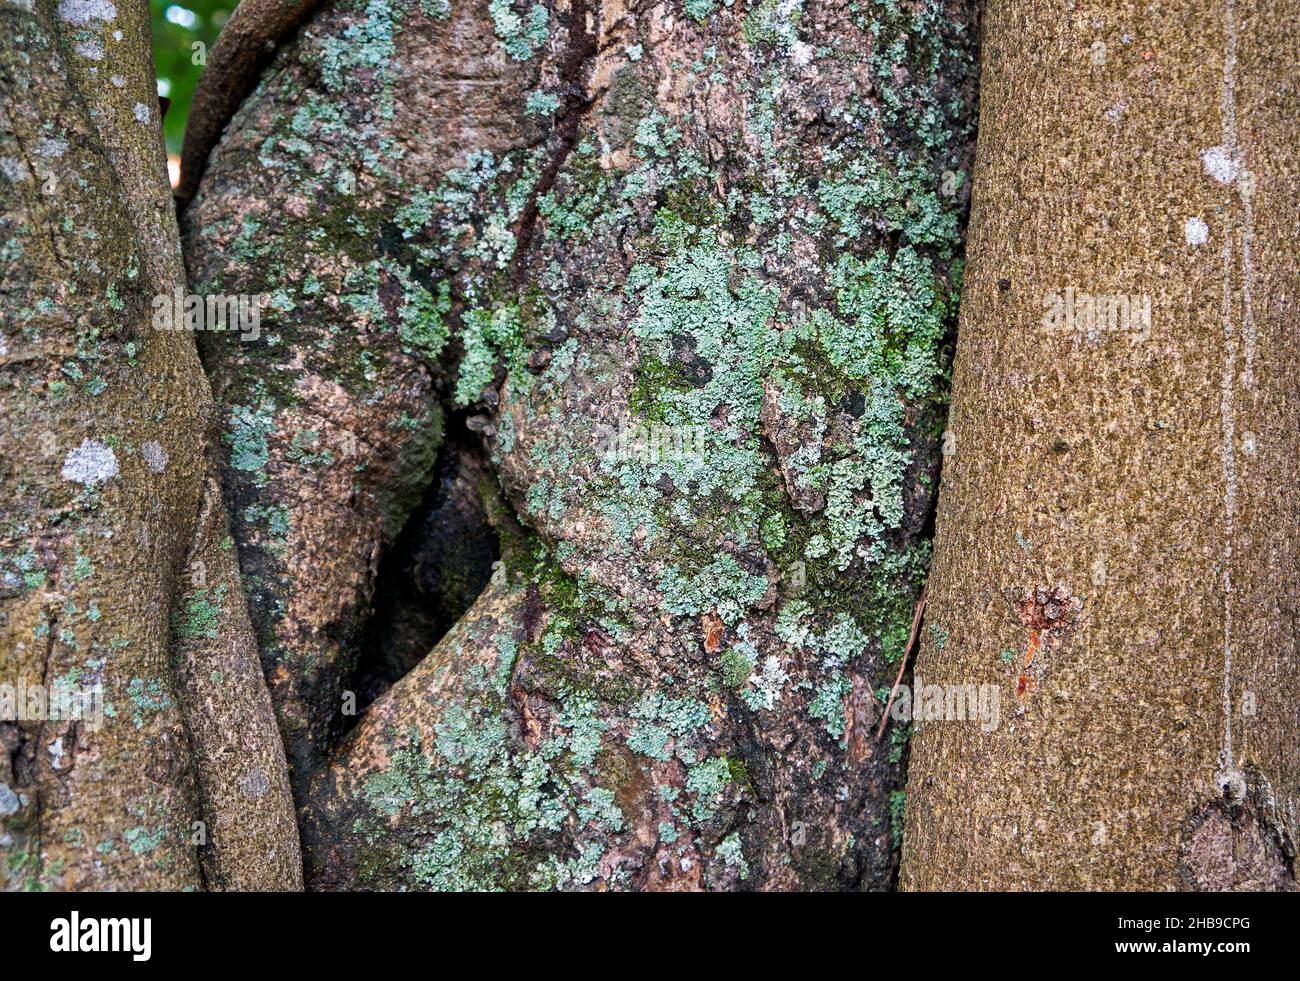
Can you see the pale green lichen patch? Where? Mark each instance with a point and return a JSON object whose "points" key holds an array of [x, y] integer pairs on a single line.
{"points": [[520, 34], [488, 806], [147, 696], [200, 614], [251, 425]]}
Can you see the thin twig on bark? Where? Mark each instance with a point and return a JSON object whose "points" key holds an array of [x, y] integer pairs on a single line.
{"points": [[907, 652]]}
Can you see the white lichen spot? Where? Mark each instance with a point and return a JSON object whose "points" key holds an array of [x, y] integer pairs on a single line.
{"points": [[4, 346], [90, 463], [1249, 443], [90, 48], [118, 81], [801, 53], [55, 749], [254, 783], [85, 11], [771, 680], [49, 146], [155, 457], [14, 169], [1220, 163], [142, 114], [1196, 232], [9, 802], [1116, 112]]}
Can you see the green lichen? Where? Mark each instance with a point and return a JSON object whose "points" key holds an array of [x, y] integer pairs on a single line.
{"points": [[700, 9], [540, 103], [732, 855], [147, 696], [250, 426], [722, 586], [486, 334], [143, 840], [735, 668], [828, 705], [485, 808], [661, 718], [707, 781], [423, 328], [521, 35], [200, 615]]}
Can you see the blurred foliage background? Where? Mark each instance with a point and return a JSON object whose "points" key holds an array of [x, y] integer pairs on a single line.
{"points": [[182, 37]]}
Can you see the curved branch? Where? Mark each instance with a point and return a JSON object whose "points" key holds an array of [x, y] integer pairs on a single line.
{"points": [[245, 47]]}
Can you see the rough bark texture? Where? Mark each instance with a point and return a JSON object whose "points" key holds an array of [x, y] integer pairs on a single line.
{"points": [[243, 779], [1116, 546], [731, 222], [103, 468], [331, 419], [245, 46]]}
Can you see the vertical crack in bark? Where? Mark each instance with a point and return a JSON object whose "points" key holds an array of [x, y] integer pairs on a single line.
{"points": [[437, 565], [201, 810], [38, 824], [581, 49]]}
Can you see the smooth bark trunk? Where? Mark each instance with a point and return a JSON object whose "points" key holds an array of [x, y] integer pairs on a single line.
{"points": [[1116, 548]]}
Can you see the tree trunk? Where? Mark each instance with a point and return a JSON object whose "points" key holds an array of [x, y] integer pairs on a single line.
{"points": [[686, 272], [1116, 546], [104, 420]]}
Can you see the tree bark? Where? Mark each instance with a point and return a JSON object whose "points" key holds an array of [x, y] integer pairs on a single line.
{"points": [[105, 459], [739, 225], [1116, 545], [245, 46]]}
